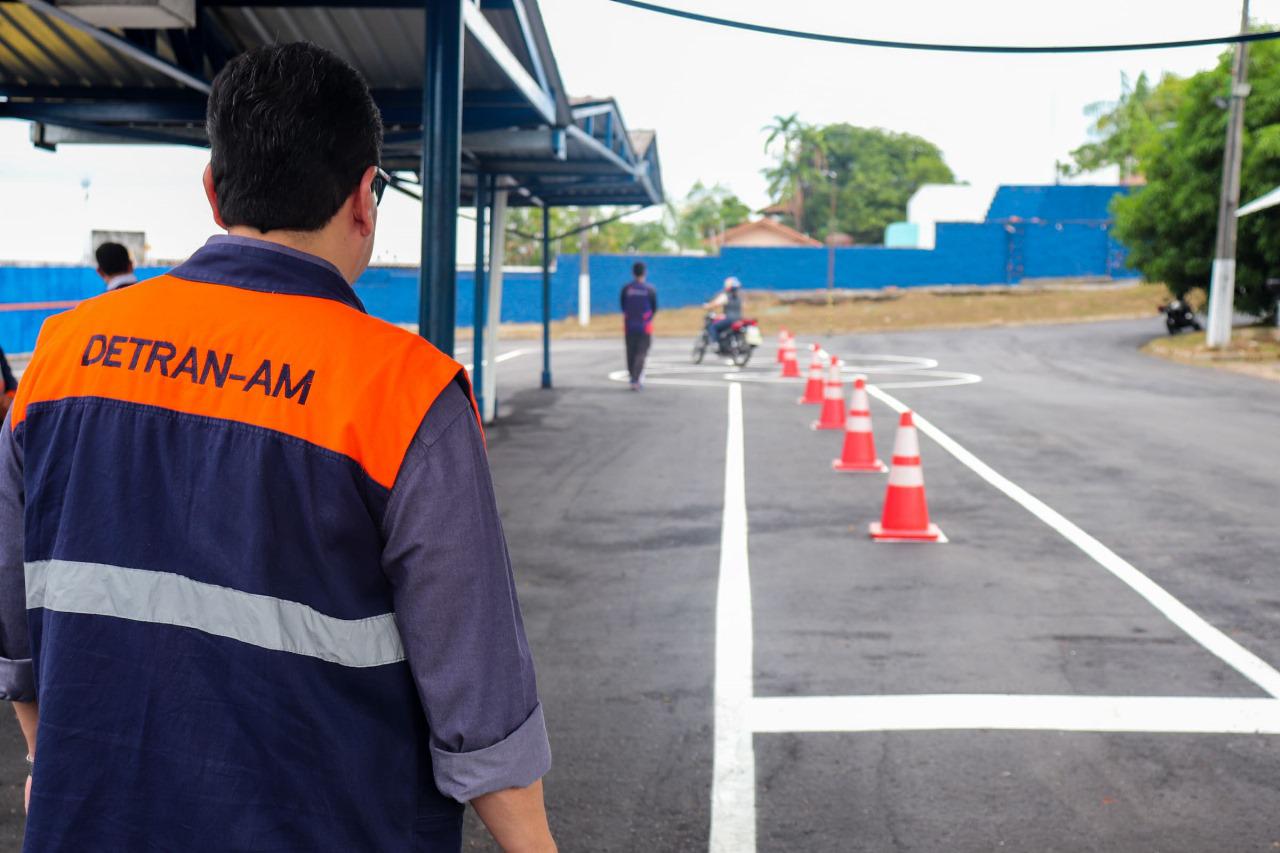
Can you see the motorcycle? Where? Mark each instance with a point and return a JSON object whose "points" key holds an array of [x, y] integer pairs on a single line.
{"points": [[1178, 316], [736, 342]]}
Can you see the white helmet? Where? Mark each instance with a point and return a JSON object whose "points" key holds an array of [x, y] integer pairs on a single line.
{"points": [[732, 283]]}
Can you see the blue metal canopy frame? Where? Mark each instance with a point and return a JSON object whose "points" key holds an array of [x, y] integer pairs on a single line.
{"points": [[480, 72]]}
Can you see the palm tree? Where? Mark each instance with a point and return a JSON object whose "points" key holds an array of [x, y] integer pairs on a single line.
{"points": [[786, 179]]}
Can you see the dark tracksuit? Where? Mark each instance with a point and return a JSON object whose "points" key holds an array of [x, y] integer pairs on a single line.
{"points": [[639, 304], [10, 384]]}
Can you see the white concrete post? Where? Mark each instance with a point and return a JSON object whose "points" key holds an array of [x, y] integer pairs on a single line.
{"points": [[584, 269], [497, 258]]}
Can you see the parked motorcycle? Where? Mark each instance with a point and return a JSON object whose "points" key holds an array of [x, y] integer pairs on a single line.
{"points": [[736, 343], [1178, 316]]}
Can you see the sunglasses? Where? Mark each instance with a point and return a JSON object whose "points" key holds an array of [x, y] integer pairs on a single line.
{"points": [[380, 181]]}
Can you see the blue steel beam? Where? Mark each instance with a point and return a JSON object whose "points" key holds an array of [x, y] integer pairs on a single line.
{"points": [[125, 134], [480, 110], [481, 295], [546, 296], [484, 33], [522, 17], [59, 112], [441, 170]]}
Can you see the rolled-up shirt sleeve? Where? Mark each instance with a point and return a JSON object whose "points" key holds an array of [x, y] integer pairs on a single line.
{"points": [[456, 607], [17, 682]]}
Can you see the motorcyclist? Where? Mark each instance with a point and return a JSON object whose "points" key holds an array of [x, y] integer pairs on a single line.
{"points": [[729, 302]]}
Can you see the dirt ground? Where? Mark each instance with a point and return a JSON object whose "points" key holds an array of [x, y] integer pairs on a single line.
{"points": [[893, 309]]}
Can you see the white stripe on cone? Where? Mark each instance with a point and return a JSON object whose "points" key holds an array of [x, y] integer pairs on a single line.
{"points": [[911, 476], [906, 442]]}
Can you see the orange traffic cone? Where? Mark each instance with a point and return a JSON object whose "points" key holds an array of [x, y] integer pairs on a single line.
{"points": [[832, 400], [790, 366], [859, 453], [906, 515], [813, 389], [783, 335]]}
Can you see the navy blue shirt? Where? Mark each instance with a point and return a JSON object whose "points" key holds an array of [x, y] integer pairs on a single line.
{"points": [[639, 304], [238, 716]]}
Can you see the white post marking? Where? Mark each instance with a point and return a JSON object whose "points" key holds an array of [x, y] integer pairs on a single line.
{"points": [[1162, 714], [1237, 656], [733, 777], [584, 300]]}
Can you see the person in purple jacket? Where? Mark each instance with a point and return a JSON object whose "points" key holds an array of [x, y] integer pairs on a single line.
{"points": [[639, 304]]}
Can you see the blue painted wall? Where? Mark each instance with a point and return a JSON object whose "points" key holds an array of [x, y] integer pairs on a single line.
{"points": [[1054, 203], [18, 329], [392, 294], [389, 293], [966, 253], [1031, 232]]}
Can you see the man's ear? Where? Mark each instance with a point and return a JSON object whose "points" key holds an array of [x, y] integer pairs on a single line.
{"points": [[364, 206], [212, 194]]}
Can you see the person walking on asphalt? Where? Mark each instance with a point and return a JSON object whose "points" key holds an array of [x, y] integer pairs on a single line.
{"points": [[259, 598], [639, 304]]}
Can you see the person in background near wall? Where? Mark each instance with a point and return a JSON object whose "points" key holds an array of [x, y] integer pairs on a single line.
{"points": [[10, 385], [115, 266], [639, 304]]}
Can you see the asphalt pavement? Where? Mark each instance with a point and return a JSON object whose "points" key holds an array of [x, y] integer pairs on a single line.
{"points": [[614, 509]]}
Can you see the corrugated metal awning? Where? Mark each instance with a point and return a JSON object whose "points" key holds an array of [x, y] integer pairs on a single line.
{"points": [[146, 87]]}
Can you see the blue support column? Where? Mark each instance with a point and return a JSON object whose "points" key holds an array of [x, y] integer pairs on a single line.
{"points": [[546, 296], [441, 153], [482, 294]]}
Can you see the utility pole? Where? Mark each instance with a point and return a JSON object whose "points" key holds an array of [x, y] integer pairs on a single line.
{"points": [[831, 256], [1222, 286]]}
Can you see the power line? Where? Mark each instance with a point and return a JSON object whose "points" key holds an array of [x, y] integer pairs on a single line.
{"points": [[1236, 38]]}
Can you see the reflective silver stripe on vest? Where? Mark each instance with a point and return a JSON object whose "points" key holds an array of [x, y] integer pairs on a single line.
{"points": [[169, 599]]}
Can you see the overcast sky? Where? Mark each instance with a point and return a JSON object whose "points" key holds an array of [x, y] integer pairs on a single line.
{"points": [[708, 92]]}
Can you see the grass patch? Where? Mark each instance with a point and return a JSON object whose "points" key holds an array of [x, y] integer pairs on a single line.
{"points": [[1254, 350], [808, 313]]}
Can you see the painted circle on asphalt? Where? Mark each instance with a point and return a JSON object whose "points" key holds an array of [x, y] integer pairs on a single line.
{"points": [[883, 370]]}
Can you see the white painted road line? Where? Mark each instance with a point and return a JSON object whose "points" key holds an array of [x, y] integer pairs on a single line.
{"points": [[506, 356], [1159, 714], [1235, 655], [733, 777]]}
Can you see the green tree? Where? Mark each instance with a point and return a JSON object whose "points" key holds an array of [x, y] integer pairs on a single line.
{"points": [[524, 234], [1169, 226], [706, 212], [1123, 128], [868, 174], [622, 237]]}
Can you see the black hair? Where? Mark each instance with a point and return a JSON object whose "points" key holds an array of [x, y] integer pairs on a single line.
{"points": [[638, 269], [292, 128], [113, 259]]}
